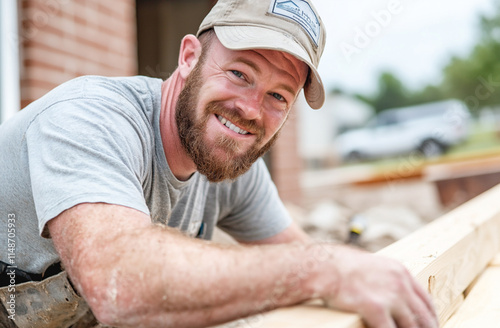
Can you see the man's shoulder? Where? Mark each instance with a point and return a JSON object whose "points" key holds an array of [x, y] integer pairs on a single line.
{"points": [[141, 90], [90, 93], [120, 104], [95, 85]]}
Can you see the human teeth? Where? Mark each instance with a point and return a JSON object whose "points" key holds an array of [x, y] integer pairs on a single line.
{"points": [[230, 125]]}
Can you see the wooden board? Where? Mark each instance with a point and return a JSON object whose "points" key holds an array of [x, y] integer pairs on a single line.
{"points": [[457, 182], [481, 308], [452, 308], [496, 260], [445, 256], [299, 317]]}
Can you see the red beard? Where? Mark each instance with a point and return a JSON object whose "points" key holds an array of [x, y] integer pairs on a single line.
{"points": [[192, 132]]}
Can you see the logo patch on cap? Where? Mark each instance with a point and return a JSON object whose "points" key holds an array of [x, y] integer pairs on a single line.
{"points": [[299, 11]]}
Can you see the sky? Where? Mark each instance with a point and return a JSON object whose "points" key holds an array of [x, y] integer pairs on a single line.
{"points": [[412, 39]]}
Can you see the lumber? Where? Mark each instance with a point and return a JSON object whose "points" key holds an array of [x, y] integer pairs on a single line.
{"points": [[496, 260], [454, 307], [445, 256], [449, 253], [299, 317], [471, 285], [481, 307]]}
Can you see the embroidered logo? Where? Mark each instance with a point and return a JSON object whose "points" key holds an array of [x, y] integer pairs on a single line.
{"points": [[301, 12]]}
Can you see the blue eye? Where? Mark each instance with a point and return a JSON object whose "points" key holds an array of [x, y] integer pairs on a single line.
{"points": [[278, 96], [237, 73]]}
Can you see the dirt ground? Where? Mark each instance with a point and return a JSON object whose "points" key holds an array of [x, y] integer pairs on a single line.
{"points": [[386, 211]]}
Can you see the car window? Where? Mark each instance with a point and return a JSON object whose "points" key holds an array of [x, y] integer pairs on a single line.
{"points": [[386, 119]]}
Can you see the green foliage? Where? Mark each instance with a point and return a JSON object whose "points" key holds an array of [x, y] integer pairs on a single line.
{"points": [[430, 93], [490, 26], [474, 79], [392, 92]]}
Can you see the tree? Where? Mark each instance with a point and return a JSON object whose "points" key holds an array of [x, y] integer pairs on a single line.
{"points": [[475, 79], [392, 92]]}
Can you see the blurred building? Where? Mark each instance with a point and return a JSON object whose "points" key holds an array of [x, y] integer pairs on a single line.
{"points": [[47, 42]]}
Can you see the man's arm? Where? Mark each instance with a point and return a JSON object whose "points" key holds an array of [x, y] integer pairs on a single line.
{"points": [[133, 273], [293, 233]]}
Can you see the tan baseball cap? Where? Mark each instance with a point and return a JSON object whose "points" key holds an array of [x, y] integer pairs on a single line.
{"points": [[291, 26]]}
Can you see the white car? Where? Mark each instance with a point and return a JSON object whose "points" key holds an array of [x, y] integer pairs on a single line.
{"points": [[428, 129]]}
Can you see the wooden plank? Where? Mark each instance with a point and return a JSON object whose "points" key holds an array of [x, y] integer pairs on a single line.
{"points": [[471, 285], [454, 307], [298, 317], [306, 315], [496, 260], [445, 256], [452, 170], [482, 306], [457, 182]]}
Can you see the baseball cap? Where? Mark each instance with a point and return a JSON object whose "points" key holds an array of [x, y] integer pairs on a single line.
{"points": [[291, 26]]}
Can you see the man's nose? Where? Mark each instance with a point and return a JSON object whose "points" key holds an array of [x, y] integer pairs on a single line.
{"points": [[250, 105]]}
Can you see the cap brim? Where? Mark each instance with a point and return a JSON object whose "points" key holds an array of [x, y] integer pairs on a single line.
{"points": [[254, 37]]}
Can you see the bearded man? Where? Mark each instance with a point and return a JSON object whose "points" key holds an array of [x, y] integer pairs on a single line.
{"points": [[115, 185]]}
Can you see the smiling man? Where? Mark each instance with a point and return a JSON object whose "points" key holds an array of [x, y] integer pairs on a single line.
{"points": [[114, 186], [243, 99]]}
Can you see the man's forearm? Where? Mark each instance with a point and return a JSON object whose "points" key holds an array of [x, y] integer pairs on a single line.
{"points": [[170, 280], [133, 273], [138, 275]]}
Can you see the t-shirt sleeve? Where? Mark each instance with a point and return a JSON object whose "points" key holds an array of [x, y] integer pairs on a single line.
{"points": [[85, 150], [255, 210]]}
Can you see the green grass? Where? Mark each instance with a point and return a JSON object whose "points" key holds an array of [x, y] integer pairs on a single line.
{"points": [[480, 142]]}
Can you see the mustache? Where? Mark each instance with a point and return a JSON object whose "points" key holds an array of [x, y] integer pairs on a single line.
{"points": [[233, 115]]}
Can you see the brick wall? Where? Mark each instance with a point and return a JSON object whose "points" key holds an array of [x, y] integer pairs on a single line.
{"points": [[63, 39], [286, 164]]}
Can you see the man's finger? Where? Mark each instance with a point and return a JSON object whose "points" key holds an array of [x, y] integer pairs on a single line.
{"points": [[417, 311], [405, 318], [427, 300], [378, 318]]}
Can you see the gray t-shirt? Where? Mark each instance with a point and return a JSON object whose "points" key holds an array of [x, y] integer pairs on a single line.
{"points": [[97, 139]]}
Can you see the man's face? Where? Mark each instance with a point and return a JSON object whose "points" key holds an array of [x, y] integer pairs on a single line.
{"points": [[233, 105]]}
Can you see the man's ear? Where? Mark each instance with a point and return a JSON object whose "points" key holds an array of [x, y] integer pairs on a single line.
{"points": [[189, 54]]}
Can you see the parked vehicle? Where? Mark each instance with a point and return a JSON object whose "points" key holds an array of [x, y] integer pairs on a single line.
{"points": [[429, 129]]}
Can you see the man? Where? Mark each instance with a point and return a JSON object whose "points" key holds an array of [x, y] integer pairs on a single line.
{"points": [[114, 177]]}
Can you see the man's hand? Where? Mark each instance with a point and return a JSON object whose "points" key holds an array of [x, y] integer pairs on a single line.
{"points": [[381, 290]]}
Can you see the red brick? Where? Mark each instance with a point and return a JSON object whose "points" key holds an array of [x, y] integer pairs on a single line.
{"points": [[63, 39], [286, 164]]}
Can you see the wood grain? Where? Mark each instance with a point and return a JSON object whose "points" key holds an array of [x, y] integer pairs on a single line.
{"points": [[496, 260], [445, 256], [481, 307], [299, 317]]}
